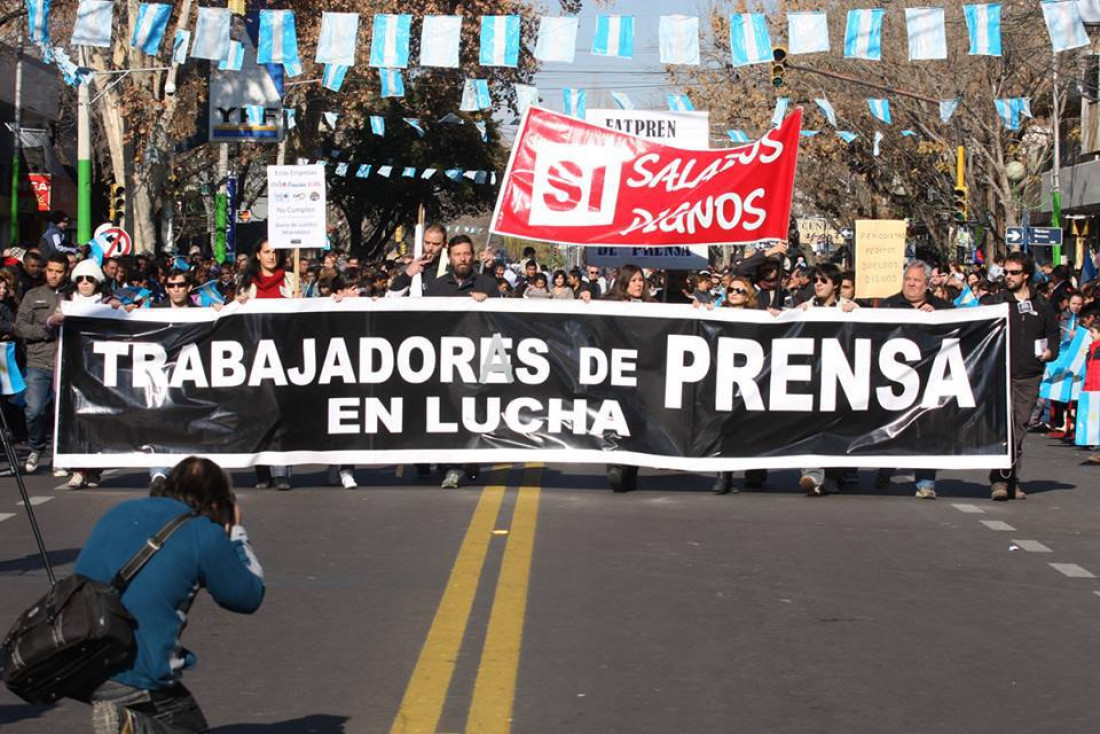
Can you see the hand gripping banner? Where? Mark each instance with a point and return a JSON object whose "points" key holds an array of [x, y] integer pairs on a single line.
{"points": [[453, 381], [575, 183]]}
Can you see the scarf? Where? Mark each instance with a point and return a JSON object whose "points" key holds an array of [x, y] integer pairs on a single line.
{"points": [[268, 286]]}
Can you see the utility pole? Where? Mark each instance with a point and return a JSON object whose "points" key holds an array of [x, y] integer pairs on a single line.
{"points": [[1055, 174], [83, 158], [221, 203], [17, 143]]}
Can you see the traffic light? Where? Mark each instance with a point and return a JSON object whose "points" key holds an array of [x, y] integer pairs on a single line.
{"points": [[960, 196], [117, 204], [779, 68]]}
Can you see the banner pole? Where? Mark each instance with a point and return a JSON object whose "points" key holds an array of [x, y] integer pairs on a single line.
{"points": [[416, 289]]}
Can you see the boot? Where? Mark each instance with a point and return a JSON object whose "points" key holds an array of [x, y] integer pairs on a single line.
{"points": [[724, 483]]}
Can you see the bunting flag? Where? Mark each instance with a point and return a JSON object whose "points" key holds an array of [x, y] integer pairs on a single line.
{"points": [[389, 44], [427, 173], [475, 96], [278, 38], [330, 119], [614, 36], [966, 298], [482, 128], [908, 133], [680, 103], [392, 83], [622, 101], [414, 123], [378, 125], [983, 27], [72, 74], [1064, 25], [207, 294], [338, 39], [880, 110], [94, 19], [737, 136], [807, 33], [877, 142], [385, 171], [38, 21], [453, 173], [11, 380], [863, 36], [291, 119], [526, 95], [234, 59], [678, 38], [947, 109], [575, 104], [1012, 109], [780, 112], [846, 135], [1087, 431], [827, 110], [363, 171], [439, 41], [149, 27], [408, 172], [180, 44], [499, 40], [557, 39], [333, 78], [179, 262], [211, 40], [749, 40], [808, 133], [1088, 270], [927, 34], [292, 67]]}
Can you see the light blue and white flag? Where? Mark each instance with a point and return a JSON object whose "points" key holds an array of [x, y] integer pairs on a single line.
{"points": [[93, 23], [983, 27], [475, 96], [330, 119], [880, 110], [333, 78], [408, 172], [680, 103], [389, 44], [846, 135], [278, 38], [1087, 431], [780, 112], [149, 27], [1012, 109], [807, 33], [255, 114], [908, 133], [1064, 25], [614, 36], [927, 34], [1090, 11], [11, 380], [947, 109], [38, 21], [385, 171], [863, 35], [557, 39], [378, 125], [966, 298], [678, 38], [414, 123], [499, 40], [877, 142], [291, 118], [526, 95], [827, 109], [453, 173], [737, 136], [427, 173], [440, 37], [72, 74], [338, 39], [363, 171], [1064, 377], [482, 128], [292, 67], [180, 44], [211, 40], [392, 83], [1088, 269], [622, 101], [234, 60], [207, 294], [749, 39], [808, 133], [575, 104]]}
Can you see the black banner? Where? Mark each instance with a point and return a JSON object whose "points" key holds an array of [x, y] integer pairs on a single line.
{"points": [[452, 380]]}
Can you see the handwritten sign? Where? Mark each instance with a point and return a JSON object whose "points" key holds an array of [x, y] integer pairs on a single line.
{"points": [[880, 255]]}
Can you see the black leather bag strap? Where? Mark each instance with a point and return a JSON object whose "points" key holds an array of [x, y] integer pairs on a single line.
{"points": [[127, 573]]}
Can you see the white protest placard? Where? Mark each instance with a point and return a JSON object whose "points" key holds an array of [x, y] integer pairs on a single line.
{"points": [[880, 257], [297, 214]]}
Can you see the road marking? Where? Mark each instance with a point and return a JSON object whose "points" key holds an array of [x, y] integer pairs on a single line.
{"points": [[997, 525], [422, 704], [495, 688], [1032, 546], [969, 509], [35, 501], [1072, 570], [6, 516]]}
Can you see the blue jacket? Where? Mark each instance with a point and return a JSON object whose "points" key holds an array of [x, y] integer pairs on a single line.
{"points": [[198, 555]]}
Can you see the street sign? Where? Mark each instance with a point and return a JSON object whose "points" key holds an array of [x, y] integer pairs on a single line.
{"points": [[1044, 236], [114, 241], [847, 233], [1016, 236]]}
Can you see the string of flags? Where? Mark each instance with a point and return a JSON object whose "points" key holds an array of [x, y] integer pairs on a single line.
{"points": [[357, 169]]}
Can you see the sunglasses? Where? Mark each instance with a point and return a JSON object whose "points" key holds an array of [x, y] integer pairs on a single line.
{"points": [[175, 285], [84, 279], [822, 280], [738, 291], [1014, 272]]}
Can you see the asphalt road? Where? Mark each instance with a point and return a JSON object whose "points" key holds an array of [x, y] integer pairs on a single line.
{"points": [[545, 603]]}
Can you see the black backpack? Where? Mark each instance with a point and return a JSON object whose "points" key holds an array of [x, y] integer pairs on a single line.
{"points": [[77, 635]]}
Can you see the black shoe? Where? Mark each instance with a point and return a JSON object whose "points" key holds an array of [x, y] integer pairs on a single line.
{"points": [[282, 484], [755, 478], [615, 479], [473, 471], [724, 483]]}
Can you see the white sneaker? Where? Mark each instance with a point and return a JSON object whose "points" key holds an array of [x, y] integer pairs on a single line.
{"points": [[452, 479], [76, 481], [58, 472], [347, 479], [32, 463]]}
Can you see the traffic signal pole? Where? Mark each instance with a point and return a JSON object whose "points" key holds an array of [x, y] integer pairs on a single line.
{"points": [[1055, 181], [84, 164]]}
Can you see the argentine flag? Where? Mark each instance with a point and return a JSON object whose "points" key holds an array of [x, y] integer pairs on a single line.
{"points": [[1012, 109], [482, 128], [614, 36], [278, 38], [439, 41], [208, 294], [334, 76], [557, 39], [983, 27], [93, 23], [780, 112], [526, 95], [38, 20], [11, 380], [337, 42], [678, 38], [847, 136], [863, 35], [1088, 419], [499, 40], [927, 35], [363, 171], [827, 109], [234, 60], [341, 170], [378, 125], [212, 34], [575, 105], [947, 109], [680, 103], [880, 110], [966, 298], [1064, 377], [749, 40], [414, 123], [622, 100], [389, 45], [180, 44], [1064, 25], [807, 33], [737, 136], [475, 96], [392, 83], [149, 27]]}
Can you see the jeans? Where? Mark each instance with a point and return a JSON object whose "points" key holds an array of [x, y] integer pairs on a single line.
{"points": [[39, 395], [163, 711], [1025, 391]]}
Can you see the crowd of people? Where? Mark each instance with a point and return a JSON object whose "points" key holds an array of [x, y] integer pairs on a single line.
{"points": [[1049, 306]]}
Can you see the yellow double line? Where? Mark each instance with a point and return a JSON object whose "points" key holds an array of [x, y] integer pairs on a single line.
{"points": [[494, 690]]}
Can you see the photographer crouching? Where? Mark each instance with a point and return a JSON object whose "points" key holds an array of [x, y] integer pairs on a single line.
{"points": [[210, 550]]}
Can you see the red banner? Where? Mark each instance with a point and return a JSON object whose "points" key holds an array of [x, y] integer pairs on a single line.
{"points": [[574, 183]]}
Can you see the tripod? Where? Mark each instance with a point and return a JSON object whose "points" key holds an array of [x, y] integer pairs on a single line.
{"points": [[13, 461]]}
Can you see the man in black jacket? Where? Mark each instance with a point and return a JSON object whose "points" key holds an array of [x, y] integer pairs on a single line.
{"points": [[1033, 341], [435, 236]]}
